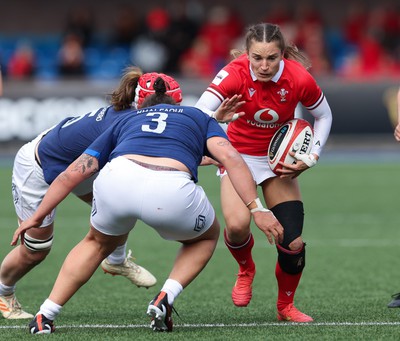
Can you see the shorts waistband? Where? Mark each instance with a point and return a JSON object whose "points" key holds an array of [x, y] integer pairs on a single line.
{"points": [[154, 167], [37, 156], [37, 161]]}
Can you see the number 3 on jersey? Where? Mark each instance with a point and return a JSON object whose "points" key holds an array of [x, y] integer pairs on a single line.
{"points": [[160, 119]]}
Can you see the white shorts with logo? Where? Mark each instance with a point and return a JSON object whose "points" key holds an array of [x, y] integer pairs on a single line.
{"points": [[259, 168], [29, 186], [168, 201]]}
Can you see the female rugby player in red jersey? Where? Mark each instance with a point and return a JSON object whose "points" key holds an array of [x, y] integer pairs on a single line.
{"points": [[272, 79]]}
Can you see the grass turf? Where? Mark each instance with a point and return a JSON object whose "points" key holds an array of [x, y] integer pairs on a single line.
{"points": [[353, 239]]}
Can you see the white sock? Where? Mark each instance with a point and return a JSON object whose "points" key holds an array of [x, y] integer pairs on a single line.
{"points": [[6, 290], [173, 289], [50, 309], [118, 255]]}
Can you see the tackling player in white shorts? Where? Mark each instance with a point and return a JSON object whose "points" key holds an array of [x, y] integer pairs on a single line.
{"points": [[40, 161], [148, 170]]}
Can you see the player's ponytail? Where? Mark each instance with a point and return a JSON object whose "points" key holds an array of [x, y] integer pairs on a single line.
{"points": [[159, 87], [123, 96]]}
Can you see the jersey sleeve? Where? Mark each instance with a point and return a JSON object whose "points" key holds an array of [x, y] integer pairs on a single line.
{"points": [[225, 83], [214, 130], [315, 102], [311, 93]]}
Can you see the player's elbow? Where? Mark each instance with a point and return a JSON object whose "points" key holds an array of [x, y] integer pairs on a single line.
{"points": [[230, 158]]}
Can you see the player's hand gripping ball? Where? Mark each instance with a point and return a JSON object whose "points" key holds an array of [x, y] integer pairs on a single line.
{"points": [[295, 135]]}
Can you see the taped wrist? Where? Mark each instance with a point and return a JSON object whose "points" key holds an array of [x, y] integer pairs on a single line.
{"points": [[308, 159], [256, 206]]}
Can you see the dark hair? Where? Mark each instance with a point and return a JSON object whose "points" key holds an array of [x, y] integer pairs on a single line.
{"points": [[266, 32], [123, 96], [159, 96]]}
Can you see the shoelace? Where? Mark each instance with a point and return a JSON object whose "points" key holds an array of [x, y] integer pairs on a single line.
{"points": [[174, 310], [129, 256], [396, 296], [15, 305], [289, 307], [242, 274], [130, 262], [293, 309]]}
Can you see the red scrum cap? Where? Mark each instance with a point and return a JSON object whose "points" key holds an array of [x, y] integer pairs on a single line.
{"points": [[145, 87]]}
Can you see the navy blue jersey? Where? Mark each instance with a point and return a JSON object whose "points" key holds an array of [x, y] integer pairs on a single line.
{"points": [[171, 131], [68, 139]]}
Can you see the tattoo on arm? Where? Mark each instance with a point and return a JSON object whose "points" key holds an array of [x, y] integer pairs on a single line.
{"points": [[86, 164], [224, 143], [221, 143]]}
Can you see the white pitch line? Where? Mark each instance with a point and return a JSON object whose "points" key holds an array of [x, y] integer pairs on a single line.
{"points": [[223, 325]]}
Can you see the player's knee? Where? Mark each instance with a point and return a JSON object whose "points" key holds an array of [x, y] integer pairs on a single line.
{"points": [[291, 252], [291, 216], [292, 262], [296, 244], [237, 235]]}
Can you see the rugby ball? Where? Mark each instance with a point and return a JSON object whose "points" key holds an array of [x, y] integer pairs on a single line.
{"points": [[295, 135]]}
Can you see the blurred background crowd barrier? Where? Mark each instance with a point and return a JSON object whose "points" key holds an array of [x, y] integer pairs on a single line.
{"points": [[61, 58]]}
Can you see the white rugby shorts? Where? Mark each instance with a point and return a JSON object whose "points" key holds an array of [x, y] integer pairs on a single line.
{"points": [[28, 185], [259, 168], [168, 201]]}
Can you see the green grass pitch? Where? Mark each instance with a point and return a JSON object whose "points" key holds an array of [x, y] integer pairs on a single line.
{"points": [[352, 232]]}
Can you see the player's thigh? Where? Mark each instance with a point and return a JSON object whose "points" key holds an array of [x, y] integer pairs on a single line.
{"points": [[41, 233], [277, 190]]}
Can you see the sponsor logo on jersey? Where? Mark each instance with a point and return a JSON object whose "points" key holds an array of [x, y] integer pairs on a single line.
{"points": [[251, 92], [283, 92], [101, 114], [220, 77], [265, 118]]}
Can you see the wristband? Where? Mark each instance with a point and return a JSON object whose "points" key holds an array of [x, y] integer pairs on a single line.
{"points": [[256, 206]]}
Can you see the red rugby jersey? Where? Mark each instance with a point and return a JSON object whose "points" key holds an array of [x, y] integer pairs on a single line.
{"points": [[268, 104]]}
